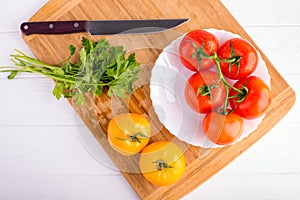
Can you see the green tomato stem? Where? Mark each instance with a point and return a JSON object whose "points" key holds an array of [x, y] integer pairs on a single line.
{"points": [[221, 76], [199, 53], [226, 101], [162, 165], [227, 85], [134, 138]]}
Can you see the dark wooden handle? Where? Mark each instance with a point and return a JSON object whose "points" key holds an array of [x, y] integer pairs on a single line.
{"points": [[53, 27]]}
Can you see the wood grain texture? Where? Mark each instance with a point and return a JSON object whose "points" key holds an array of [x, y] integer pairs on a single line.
{"points": [[201, 163]]}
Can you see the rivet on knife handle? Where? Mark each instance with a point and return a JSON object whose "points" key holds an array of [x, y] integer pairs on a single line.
{"points": [[53, 27]]}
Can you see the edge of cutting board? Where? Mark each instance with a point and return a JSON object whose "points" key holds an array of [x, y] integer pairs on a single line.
{"points": [[199, 168]]}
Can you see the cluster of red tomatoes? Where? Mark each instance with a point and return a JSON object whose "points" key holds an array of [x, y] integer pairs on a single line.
{"points": [[210, 93]]}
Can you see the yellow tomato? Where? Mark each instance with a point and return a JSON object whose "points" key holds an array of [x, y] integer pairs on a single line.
{"points": [[162, 163], [128, 133]]}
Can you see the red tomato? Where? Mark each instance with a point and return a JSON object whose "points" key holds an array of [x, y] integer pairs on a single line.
{"points": [[243, 56], [223, 129], [192, 54], [255, 99], [200, 95]]}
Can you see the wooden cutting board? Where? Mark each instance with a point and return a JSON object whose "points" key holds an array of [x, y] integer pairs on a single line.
{"points": [[201, 163]]}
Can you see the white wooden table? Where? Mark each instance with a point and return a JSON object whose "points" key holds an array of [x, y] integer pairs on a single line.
{"points": [[42, 156]]}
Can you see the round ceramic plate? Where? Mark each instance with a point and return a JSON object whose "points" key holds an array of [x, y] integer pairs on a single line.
{"points": [[167, 85]]}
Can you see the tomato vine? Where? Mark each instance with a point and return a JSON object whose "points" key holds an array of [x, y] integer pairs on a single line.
{"points": [[206, 90]]}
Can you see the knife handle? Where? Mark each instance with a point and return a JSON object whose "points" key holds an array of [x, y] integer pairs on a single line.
{"points": [[53, 27]]}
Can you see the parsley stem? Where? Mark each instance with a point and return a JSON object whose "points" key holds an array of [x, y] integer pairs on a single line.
{"points": [[31, 60], [61, 78], [30, 67], [49, 75], [100, 65]]}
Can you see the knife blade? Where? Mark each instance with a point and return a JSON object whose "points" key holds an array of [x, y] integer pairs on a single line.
{"points": [[101, 27]]}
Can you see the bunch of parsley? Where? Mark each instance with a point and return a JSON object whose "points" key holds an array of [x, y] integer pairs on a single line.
{"points": [[101, 65]]}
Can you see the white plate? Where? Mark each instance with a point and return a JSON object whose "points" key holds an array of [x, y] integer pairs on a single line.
{"points": [[167, 84]]}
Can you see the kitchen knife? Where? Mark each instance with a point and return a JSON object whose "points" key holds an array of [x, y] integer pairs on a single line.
{"points": [[102, 27]]}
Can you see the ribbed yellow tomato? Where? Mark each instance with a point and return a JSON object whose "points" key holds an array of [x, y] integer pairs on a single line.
{"points": [[162, 163], [128, 133]]}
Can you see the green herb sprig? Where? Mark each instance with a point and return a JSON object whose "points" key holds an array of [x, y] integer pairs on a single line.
{"points": [[101, 65]]}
